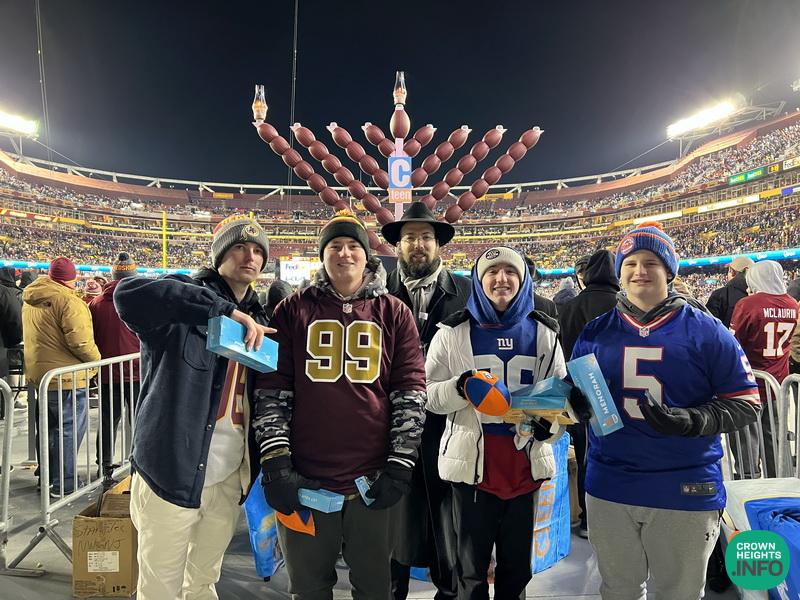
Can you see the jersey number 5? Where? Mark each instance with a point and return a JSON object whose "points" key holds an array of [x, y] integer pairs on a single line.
{"points": [[631, 380], [354, 351]]}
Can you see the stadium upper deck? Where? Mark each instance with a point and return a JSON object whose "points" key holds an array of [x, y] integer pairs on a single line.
{"points": [[46, 212]]}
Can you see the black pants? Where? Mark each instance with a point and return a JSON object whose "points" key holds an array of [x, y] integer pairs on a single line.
{"points": [[483, 521], [360, 533], [442, 576], [111, 397], [580, 441]]}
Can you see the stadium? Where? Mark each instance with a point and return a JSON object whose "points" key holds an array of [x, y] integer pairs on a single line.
{"points": [[331, 382], [736, 194]]}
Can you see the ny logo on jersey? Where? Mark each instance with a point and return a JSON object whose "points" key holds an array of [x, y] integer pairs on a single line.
{"points": [[505, 343]]}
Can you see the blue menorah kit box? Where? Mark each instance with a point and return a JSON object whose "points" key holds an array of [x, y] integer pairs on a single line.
{"points": [[226, 338], [587, 376], [321, 500], [548, 394], [363, 485]]}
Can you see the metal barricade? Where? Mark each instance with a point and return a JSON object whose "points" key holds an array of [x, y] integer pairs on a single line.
{"points": [[59, 390], [755, 451], [789, 445], [7, 397]]}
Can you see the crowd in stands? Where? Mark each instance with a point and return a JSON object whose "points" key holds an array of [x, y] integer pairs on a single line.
{"points": [[721, 234], [763, 150]]}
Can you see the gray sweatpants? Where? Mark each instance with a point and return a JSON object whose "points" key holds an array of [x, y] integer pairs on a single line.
{"points": [[672, 546], [360, 533]]}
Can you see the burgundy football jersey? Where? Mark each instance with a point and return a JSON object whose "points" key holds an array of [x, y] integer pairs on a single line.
{"points": [[343, 360], [763, 323]]}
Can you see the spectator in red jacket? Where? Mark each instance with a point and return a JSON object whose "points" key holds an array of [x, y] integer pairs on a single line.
{"points": [[113, 338]]}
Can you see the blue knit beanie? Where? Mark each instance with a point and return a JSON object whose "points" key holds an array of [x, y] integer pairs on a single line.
{"points": [[648, 236]]}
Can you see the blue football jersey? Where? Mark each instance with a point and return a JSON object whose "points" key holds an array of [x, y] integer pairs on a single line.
{"points": [[685, 359]]}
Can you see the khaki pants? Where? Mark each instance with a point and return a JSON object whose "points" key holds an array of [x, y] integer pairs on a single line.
{"points": [[181, 549]]}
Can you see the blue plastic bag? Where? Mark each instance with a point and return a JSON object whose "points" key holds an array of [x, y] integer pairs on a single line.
{"points": [[263, 532], [551, 526]]}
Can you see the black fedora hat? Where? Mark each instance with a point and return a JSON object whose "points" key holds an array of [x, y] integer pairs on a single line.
{"points": [[417, 212]]}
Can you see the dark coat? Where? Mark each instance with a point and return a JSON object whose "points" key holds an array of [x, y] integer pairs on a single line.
{"points": [[182, 381], [598, 297], [10, 316], [545, 305], [722, 301], [418, 537]]}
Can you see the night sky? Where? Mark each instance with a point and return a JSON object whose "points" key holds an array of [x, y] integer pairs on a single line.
{"points": [[164, 88]]}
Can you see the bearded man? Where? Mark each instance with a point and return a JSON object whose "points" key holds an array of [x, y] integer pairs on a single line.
{"points": [[424, 535]]}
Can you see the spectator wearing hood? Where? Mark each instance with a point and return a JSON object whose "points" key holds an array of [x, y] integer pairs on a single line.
{"points": [[113, 338], [10, 320], [598, 296], [722, 301], [763, 323], [566, 292], [580, 269], [494, 467], [277, 291], [26, 278]]}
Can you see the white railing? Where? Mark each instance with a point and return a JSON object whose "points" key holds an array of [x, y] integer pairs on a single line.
{"points": [[761, 449], [65, 453]]}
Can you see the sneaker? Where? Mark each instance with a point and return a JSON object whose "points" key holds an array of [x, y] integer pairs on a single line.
{"points": [[583, 532], [56, 492], [18, 404]]}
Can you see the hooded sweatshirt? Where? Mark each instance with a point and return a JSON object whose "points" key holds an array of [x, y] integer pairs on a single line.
{"points": [[506, 470], [566, 292], [349, 391], [765, 321], [598, 296]]}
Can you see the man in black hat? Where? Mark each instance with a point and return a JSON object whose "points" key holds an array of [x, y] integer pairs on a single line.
{"points": [[424, 534]]}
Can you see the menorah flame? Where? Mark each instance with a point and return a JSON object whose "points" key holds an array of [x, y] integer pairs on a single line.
{"points": [[402, 147]]}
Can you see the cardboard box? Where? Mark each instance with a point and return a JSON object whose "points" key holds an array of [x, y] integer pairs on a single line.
{"points": [[586, 374], [226, 338], [321, 500], [104, 548]]}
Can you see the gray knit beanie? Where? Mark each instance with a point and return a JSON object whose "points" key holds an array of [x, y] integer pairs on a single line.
{"points": [[237, 229]]}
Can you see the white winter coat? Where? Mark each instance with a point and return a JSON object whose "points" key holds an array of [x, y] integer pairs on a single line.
{"points": [[461, 446]]}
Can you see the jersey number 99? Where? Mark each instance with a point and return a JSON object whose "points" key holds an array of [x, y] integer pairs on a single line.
{"points": [[354, 351]]}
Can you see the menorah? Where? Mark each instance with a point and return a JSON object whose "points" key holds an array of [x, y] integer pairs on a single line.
{"points": [[400, 180]]}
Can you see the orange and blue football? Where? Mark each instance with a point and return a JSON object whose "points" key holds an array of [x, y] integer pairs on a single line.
{"points": [[489, 395]]}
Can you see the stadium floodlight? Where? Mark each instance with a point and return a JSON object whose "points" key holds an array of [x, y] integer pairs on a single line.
{"points": [[702, 119], [18, 124]]}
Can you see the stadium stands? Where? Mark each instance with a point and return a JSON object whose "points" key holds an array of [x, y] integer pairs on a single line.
{"points": [[45, 214]]}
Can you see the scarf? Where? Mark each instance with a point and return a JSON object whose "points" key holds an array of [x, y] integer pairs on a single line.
{"points": [[417, 290]]}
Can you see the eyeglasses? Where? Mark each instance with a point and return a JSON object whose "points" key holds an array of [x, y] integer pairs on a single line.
{"points": [[413, 239]]}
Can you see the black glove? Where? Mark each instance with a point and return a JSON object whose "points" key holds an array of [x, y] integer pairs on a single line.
{"points": [[540, 429], [462, 380], [390, 486], [281, 482], [580, 404], [670, 420]]}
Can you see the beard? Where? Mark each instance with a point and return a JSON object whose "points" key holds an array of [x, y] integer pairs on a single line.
{"points": [[418, 270]]}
